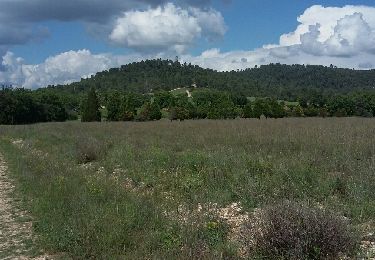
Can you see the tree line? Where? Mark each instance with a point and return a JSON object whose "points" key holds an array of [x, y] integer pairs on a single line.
{"points": [[214, 104], [20, 106], [283, 82], [143, 91]]}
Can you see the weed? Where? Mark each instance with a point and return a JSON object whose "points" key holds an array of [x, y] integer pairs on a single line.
{"points": [[294, 231]]}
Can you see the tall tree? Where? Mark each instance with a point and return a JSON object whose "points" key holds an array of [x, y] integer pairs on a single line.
{"points": [[90, 109], [113, 106]]}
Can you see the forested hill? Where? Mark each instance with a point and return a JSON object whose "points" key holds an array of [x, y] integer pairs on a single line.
{"points": [[135, 92], [286, 82]]}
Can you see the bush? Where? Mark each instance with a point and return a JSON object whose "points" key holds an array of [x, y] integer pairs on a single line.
{"points": [[149, 112], [178, 113], [294, 231], [90, 149]]}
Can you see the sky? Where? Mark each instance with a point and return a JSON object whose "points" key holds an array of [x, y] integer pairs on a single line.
{"points": [[47, 42]]}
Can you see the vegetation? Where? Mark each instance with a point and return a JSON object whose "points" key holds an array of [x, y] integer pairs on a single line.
{"points": [[287, 82], [294, 188], [90, 108], [157, 189], [153, 89], [293, 231], [24, 107]]}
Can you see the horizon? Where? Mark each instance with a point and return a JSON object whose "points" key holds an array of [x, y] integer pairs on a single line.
{"points": [[331, 66], [44, 43]]}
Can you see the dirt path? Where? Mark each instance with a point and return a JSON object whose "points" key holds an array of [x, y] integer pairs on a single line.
{"points": [[15, 224]]}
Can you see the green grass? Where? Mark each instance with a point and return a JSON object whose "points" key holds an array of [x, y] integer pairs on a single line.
{"points": [[124, 202]]}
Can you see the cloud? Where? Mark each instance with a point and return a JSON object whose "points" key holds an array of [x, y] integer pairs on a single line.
{"points": [[351, 35], [343, 36], [327, 18], [64, 68], [67, 10], [326, 35], [167, 28], [233, 60], [18, 18], [17, 33]]}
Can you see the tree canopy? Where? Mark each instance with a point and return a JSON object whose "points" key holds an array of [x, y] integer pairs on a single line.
{"points": [[152, 89]]}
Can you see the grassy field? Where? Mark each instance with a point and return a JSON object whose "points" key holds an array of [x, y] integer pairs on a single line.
{"points": [[167, 190]]}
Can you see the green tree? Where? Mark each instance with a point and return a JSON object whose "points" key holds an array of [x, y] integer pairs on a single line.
{"points": [[155, 113], [248, 111], [53, 108], [277, 110], [90, 108], [261, 108], [7, 107], [164, 99], [113, 106], [149, 111], [179, 113]]}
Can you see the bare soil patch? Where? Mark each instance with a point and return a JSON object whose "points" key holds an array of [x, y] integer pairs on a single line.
{"points": [[16, 238]]}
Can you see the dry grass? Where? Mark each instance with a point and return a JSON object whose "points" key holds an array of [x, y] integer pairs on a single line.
{"points": [[326, 162]]}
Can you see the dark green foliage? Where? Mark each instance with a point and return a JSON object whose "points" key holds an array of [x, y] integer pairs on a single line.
{"points": [[320, 91], [178, 113], [248, 111], [356, 104], [164, 99], [277, 110], [114, 106], [53, 108], [267, 107], [214, 104], [124, 106], [261, 108], [7, 108], [90, 108], [311, 111], [144, 112], [22, 106], [239, 99], [155, 113], [285, 82], [294, 231], [149, 112]]}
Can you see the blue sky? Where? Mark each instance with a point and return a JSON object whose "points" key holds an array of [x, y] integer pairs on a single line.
{"points": [[252, 23], [255, 23], [48, 42]]}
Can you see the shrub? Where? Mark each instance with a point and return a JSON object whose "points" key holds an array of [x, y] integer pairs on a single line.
{"points": [[149, 112], [178, 113], [90, 149], [294, 231]]}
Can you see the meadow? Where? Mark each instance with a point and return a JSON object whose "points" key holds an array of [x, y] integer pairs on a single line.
{"points": [[186, 190]]}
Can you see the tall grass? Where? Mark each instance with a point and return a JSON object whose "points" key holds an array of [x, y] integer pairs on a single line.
{"points": [[106, 189]]}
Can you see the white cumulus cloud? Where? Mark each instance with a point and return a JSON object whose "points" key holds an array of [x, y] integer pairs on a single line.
{"points": [[327, 18], [64, 68], [344, 37], [166, 28]]}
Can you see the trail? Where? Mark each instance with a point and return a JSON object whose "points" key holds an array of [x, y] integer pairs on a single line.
{"points": [[15, 224]]}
